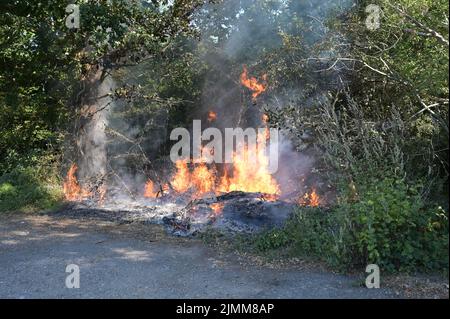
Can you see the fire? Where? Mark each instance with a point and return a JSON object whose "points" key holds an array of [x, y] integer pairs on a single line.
{"points": [[152, 190], [310, 199], [248, 173], [181, 182], [212, 116], [249, 176], [217, 208], [102, 194], [72, 189], [203, 179], [149, 191], [253, 84]]}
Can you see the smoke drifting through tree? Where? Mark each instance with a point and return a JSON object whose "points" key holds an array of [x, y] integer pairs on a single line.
{"points": [[118, 146]]}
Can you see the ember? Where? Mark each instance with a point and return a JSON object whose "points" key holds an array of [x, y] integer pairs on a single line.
{"points": [[217, 208], [212, 116]]}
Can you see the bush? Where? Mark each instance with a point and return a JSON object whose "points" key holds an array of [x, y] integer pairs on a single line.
{"points": [[393, 228], [388, 225], [28, 189]]}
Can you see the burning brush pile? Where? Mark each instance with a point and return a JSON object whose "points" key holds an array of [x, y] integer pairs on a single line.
{"points": [[238, 201], [241, 196]]}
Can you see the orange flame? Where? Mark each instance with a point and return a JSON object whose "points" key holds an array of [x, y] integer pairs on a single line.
{"points": [[203, 179], [217, 208], [251, 176], [265, 119], [253, 84], [248, 173], [149, 191], [212, 116], [72, 189], [102, 194], [182, 179], [310, 199]]}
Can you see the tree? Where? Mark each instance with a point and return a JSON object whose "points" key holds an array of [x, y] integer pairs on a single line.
{"points": [[44, 65]]}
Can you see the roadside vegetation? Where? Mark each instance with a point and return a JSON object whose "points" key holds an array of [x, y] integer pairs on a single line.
{"points": [[373, 104], [390, 225]]}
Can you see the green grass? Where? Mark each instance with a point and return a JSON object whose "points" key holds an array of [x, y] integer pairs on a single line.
{"points": [[29, 190]]}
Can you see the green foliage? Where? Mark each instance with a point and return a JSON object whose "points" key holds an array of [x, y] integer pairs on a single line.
{"points": [[43, 63], [392, 227], [389, 225], [359, 96], [409, 67], [368, 92], [272, 239], [29, 189]]}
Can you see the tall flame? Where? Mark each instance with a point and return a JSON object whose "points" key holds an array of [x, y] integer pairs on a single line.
{"points": [[253, 84], [249, 171], [251, 176], [72, 189], [181, 182], [203, 179]]}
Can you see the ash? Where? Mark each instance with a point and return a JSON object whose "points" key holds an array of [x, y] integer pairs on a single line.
{"points": [[235, 212]]}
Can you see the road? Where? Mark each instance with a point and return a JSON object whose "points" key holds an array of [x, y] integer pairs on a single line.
{"points": [[141, 261]]}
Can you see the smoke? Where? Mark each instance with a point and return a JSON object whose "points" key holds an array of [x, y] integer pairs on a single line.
{"points": [[246, 32], [119, 137], [92, 138]]}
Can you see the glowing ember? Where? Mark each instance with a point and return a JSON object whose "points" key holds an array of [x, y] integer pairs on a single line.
{"points": [[212, 116], [217, 208], [72, 189], [310, 199], [253, 84]]}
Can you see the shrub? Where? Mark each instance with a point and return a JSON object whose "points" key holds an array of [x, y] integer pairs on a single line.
{"points": [[388, 225], [393, 228]]}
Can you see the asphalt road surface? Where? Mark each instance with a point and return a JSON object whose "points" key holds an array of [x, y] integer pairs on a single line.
{"points": [[127, 261]]}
